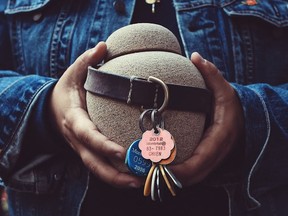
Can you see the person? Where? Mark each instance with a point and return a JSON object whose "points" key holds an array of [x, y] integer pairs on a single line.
{"points": [[53, 159]]}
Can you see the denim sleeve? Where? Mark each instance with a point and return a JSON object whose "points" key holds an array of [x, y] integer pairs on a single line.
{"points": [[265, 163], [17, 97]]}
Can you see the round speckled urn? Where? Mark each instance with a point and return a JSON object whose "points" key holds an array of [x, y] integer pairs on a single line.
{"points": [[144, 50]]}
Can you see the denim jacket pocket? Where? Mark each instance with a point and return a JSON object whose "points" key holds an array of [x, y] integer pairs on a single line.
{"points": [[18, 6], [260, 27], [54, 23], [274, 12]]}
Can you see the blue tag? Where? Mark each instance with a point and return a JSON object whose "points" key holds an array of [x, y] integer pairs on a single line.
{"points": [[135, 162]]}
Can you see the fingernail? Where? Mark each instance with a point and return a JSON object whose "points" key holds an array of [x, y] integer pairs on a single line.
{"points": [[95, 48], [134, 185], [201, 58], [119, 155]]}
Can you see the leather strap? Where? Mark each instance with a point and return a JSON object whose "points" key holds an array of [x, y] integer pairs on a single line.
{"points": [[138, 91]]}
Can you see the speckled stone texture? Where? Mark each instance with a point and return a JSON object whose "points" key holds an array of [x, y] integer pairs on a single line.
{"points": [[144, 50]]}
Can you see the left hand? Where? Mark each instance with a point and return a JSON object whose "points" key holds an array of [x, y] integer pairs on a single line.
{"points": [[222, 136], [68, 112]]}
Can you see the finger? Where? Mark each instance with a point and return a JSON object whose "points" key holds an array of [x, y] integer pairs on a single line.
{"points": [[78, 70], [94, 148], [79, 126], [206, 157], [107, 173], [91, 57]]}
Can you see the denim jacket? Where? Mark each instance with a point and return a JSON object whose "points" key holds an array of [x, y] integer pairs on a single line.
{"points": [[39, 39]]}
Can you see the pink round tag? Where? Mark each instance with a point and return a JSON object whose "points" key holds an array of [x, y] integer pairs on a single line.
{"points": [[156, 146]]}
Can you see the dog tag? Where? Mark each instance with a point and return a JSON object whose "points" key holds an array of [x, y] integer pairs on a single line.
{"points": [[147, 185], [153, 184], [158, 185], [156, 146], [169, 159], [170, 187], [135, 162], [172, 176]]}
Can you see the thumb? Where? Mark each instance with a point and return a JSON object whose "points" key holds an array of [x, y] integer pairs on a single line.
{"points": [[90, 57], [77, 72], [212, 76]]}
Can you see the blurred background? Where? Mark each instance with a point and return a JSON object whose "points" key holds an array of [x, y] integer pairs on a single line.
{"points": [[3, 202]]}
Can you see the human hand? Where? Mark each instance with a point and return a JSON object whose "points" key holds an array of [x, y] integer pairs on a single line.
{"points": [[69, 113], [224, 133]]}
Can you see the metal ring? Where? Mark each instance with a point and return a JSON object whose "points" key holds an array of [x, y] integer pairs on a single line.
{"points": [[166, 92], [156, 120], [141, 124]]}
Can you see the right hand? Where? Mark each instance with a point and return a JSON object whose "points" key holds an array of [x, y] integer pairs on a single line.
{"points": [[223, 135], [69, 113]]}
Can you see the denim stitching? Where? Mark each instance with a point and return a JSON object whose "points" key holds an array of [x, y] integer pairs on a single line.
{"points": [[263, 149]]}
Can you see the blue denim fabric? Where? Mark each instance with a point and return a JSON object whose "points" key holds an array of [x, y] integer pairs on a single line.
{"points": [[17, 94], [248, 43], [243, 51]]}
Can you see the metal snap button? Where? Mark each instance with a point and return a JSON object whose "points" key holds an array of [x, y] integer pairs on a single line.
{"points": [[57, 176], [37, 17]]}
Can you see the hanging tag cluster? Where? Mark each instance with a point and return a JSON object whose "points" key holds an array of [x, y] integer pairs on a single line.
{"points": [[150, 155]]}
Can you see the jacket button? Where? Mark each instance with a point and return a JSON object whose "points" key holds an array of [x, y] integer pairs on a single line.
{"points": [[57, 176], [119, 6]]}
